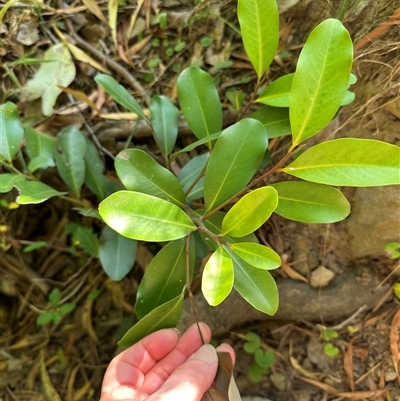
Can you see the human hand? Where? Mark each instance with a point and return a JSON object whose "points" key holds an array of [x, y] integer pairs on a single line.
{"points": [[164, 367]]}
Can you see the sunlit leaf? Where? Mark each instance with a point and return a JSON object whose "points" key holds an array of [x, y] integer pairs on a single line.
{"points": [[139, 172], [257, 255], [311, 203], [217, 280], [117, 254], [32, 192], [234, 160], [7, 181], [94, 167], [250, 212], [144, 217], [321, 79], [164, 316], [349, 162], [275, 120], [11, 131]]}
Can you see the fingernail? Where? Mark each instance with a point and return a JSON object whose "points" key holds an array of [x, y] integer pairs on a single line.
{"points": [[207, 354]]}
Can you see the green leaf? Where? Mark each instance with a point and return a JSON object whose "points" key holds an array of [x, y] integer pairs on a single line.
{"points": [[257, 255], [119, 94], [265, 359], [144, 217], [11, 131], [277, 93], [253, 342], [311, 203], [117, 254], [32, 192], [54, 297], [70, 158], [348, 98], [199, 102], [45, 318], [7, 181], [275, 120], [250, 212], [259, 25], [236, 98], [331, 350], [57, 69], [189, 172], [164, 120], [33, 246], [138, 171], [66, 308], [321, 79], [234, 160], [256, 373], [94, 167], [163, 278], [217, 280], [392, 249], [85, 238], [194, 145], [164, 316], [41, 148], [88, 212], [256, 286], [349, 162]]}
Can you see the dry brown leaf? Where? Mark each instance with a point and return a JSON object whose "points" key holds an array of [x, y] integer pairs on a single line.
{"points": [[394, 342], [49, 392], [134, 18], [348, 366], [325, 387], [112, 18], [80, 96], [293, 274], [361, 395], [297, 366], [93, 7]]}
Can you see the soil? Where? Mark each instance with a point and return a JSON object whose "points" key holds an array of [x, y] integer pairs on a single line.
{"points": [[68, 359]]}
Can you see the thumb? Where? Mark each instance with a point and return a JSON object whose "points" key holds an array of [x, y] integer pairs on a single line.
{"points": [[192, 379]]}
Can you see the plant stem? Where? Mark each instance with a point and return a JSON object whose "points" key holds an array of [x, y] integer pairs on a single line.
{"points": [[10, 167], [192, 185], [250, 102]]}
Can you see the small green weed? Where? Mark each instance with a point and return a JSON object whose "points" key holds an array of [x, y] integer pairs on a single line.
{"points": [[56, 311]]}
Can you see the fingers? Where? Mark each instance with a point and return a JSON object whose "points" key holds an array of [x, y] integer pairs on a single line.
{"points": [[189, 343], [227, 348], [128, 369], [192, 379]]}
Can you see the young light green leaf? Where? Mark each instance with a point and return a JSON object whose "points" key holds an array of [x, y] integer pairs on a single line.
{"points": [[250, 212], [41, 148], [117, 254], [144, 217], [277, 93], [11, 131], [57, 70], [55, 297], [94, 167], [257, 255], [310, 203], [194, 145], [217, 280], [321, 79], [34, 246], [236, 98], [164, 119], [259, 25], [7, 181], [70, 158], [85, 238], [138, 171], [199, 102], [32, 192], [164, 277], [348, 98], [256, 286], [119, 94], [164, 316], [234, 160], [190, 172], [349, 162], [275, 120]]}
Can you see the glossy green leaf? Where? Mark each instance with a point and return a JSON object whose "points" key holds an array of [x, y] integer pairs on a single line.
{"points": [[144, 217], [32, 192], [275, 120], [259, 25], [164, 277], [257, 255], [234, 160], [311, 203], [236, 98], [11, 131], [277, 93], [190, 172], [164, 316], [321, 79], [199, 102], [139, 172], [117, 254], [41, 148], [70, 158], [349, 162], [217, 280], [194, 145], [7, 181], [119, 94], [250, 212], [164, 119], [94, 167], [255, 285], [57, 70]]}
